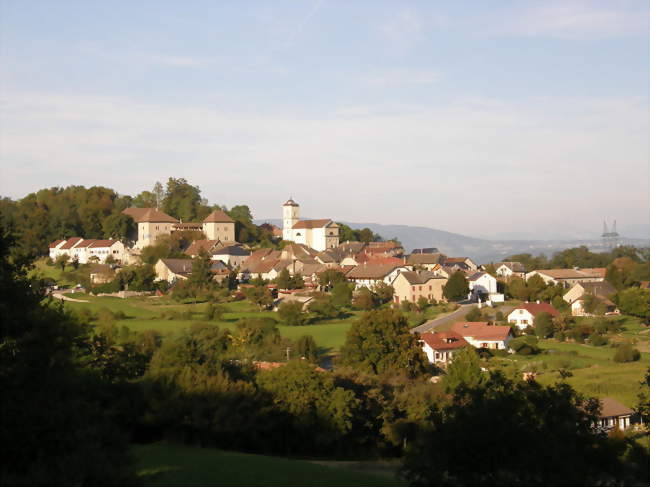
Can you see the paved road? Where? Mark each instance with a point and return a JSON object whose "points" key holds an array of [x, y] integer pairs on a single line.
{"points": [[457, 315]]}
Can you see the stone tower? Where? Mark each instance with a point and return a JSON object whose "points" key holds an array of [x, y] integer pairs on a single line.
{"points": [[290, 216]]}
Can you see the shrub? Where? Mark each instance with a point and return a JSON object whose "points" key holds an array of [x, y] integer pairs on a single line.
{"points": [[214, 312], [525, 345], [499, 316], [291, 313], [474, 314], [597, 340], [626, 353]]}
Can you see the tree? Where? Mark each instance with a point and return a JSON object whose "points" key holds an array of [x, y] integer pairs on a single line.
{"points": [[423, 303], [76, 439], [330, 277], [365, 299], [342, 294], [535, 286], [384, 292], [241, 213], [464, 370], [307, 348], [75, 262], [183, 201], [643, 406], [214, 311], [259, 295], [516, 288], [291, 313], [593, 305], [635, 302], [118, 226], [61, 260], [323, 308], [544, 325], [201, 275], [380, 341], [456, 288], [284, 279], [473, 314], [554, 416]]}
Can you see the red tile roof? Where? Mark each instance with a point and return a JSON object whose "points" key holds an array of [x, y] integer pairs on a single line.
{"points": [[535, 308], [369, 271], [312, 223], [481, 330], [103, 243], [196, 246], [218, 216], [70, 243], [55, 243], [448, 340]]}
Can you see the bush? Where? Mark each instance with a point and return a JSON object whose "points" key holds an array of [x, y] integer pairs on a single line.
{"points": [[597, 340], [108, 288], [525, 345], [473, 315], [291, 313], [214, 312], [626, 353]]}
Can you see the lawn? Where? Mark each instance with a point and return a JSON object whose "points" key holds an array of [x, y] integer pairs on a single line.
{"points": [[144, 314], [594, 371], [163, 465]]}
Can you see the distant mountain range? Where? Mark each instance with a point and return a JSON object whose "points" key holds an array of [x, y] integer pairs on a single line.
{"points": [[481, 250]]}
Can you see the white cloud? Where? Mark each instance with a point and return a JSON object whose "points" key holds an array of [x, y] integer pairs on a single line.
{"points": [[472, 165], [571, 19]]}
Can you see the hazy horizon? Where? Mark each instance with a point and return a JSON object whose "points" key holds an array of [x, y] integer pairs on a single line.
{"points": [[486, 119]]}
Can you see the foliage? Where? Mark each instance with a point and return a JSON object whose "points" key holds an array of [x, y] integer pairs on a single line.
{"points": [[342, 294], [626, 353], [322, 308], [643, 405], [286, 281], [525, 345], [556, 417], [307, 348], [259, 295], [365, 299], [544, 327], [380, 341], [214, 312], [384, 292], [75, 439], [464, 370], [291, 313], [330, 278], [635, 302], [364, 235], [456, 288], [593, 305], [473, 314]]}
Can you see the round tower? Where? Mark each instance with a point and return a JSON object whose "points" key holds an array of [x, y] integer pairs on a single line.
{"points": [[290, 216]]}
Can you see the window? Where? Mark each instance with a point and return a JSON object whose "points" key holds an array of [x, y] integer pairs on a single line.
{"points": [[419, 288], [521, 311], [429, 288]]}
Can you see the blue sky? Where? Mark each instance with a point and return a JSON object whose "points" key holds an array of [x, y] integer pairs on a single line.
{"points": [[484, 118]]}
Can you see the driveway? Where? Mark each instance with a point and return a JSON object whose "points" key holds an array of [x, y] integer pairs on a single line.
{"points": [[457, 315]]}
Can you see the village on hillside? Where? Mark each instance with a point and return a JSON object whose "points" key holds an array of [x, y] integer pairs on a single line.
{"points": [[498, 309]]}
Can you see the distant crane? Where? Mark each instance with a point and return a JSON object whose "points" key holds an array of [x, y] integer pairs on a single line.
{"points": [[610, 238]]}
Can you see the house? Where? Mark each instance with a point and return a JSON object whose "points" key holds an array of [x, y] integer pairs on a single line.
{"points": [[463, 263], [171, 270], [204, 245], [510, 269], [150, 224], [412, 285], [482, 284], [54, 248], [292, 298], [318, 234], [602, 290], [231, 255], [370, 275], [219, 226], [425, 260], [569, 277], [523, 315], [440, 347], [480, 334], [103, 249], [613, 414]]}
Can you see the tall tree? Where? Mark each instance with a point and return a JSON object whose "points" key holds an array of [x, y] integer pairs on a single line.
{"points": [[456, 287], [380, 341], [464, 370]]}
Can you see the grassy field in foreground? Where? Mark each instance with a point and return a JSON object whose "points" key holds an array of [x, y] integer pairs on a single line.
{"points": [[163, 465]]}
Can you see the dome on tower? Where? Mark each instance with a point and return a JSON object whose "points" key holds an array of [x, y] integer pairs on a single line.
{"points": [[290, 202]]}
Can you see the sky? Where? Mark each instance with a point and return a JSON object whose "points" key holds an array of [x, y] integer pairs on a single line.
{"points": [[524, 119]]}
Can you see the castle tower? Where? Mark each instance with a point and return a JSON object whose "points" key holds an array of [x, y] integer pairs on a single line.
{"points": [[290, 216]]}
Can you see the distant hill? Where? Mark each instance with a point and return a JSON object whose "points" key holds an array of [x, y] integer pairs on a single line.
{"points": [[482, 250]]}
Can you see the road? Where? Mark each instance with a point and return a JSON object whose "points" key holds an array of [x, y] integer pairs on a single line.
{"points": [[61, 295], [457, 315]]}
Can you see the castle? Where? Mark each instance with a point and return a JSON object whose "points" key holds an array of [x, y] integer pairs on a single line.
{"points": [[318, 234]]}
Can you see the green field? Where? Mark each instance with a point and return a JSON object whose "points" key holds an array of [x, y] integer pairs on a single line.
{"points": [[163, 465], [594, 371], [144, 314]]}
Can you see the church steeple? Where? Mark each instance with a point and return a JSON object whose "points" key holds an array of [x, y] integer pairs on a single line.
{"points": [[290, 216]]}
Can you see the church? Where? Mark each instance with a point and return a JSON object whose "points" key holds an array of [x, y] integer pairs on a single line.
{"points": [[318, 234]]}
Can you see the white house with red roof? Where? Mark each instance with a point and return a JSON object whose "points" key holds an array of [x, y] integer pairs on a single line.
{"points": [[55, 249], [480, 334], [523, 315], [84, 249], [440, 347], [318, 234]]}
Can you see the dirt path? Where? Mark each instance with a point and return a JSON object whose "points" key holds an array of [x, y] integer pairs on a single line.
{"points": [[63, 297]]}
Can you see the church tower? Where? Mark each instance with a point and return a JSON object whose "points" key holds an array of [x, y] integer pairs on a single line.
{"points": [[290, 216]]}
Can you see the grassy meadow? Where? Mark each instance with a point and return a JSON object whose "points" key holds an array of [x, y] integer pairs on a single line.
{"points": [[164, 465]]}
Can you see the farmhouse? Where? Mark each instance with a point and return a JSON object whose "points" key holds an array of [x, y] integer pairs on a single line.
{"points": [[523, 316], [371, 275], [602, 290], [87, 250], [412, 285], [440, 347], [569, 277], [613, 414], [510, 269], [481, 334]]}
